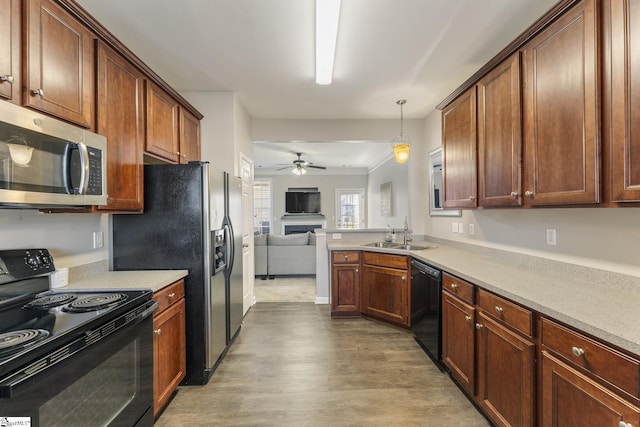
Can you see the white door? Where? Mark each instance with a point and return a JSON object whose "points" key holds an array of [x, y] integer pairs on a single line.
{"points": [[246, 167]]}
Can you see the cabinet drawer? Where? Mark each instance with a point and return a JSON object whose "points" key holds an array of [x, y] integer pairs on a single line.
{"points": [[169, 295], [458, 287], [602, 361], [345, 257], [386, 260], [511, 314]]}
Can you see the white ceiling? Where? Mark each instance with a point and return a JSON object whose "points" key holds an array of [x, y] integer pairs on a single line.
{"points": [[263, 51]]}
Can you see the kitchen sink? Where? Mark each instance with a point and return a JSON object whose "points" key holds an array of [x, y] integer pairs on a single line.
{"points": [[412, 247], [389, 245], [381, 245]]}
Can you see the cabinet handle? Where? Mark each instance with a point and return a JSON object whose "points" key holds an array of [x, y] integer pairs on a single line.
{"points": [[356, 270], [467, 318], [157, 331], [529, 194], [177, 153], [404, 277], [184, 156], [8, 78], [171, 296], [346, 257], [37, 92], [623, 424], [454, 286], [479, 326], [515, 194], [577, 351], [472, 197], [499, 310]]}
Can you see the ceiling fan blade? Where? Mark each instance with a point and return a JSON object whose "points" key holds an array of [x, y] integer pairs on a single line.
{"points": [[286, 167], [316, 167]]}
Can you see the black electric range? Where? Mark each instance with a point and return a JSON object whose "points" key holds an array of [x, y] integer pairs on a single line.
{"points": [[38, 324]]}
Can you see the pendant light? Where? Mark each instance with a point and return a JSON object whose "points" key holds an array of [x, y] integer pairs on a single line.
{"points": [[401, 144]]}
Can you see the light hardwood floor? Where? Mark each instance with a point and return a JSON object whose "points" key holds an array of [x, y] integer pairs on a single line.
{"points": [[292, 365]]}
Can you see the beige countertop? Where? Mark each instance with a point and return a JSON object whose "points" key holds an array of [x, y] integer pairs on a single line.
{"points": [[605, 310], [115, 280]]}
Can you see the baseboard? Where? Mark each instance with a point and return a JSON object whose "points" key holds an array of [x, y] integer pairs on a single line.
{"points": [[322, 300]]}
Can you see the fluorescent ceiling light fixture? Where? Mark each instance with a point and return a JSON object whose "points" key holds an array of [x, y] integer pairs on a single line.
{"points": [[327, 17]]}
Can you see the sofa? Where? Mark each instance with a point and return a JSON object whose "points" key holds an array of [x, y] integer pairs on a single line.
{"points": [[280, 255]]}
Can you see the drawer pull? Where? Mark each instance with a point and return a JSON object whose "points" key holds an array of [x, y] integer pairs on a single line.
{"points": [[157, 331], [623, 424], [172, 295], [499, 310], [7, 78], [346, 257], [577, 351], [454, 286], [467, 318], [37, 92], [479, 326]]}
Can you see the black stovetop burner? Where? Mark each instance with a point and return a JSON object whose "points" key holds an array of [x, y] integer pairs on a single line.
{"points": [[35, 320]]}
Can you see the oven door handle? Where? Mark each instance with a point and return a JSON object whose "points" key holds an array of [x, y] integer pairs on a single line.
{"points": [[11, 386]]}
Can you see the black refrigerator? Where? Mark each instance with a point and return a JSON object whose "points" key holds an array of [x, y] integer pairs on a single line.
{"points": [[192, 221]]}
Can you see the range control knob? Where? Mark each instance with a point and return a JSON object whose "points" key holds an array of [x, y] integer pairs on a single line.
{"points": [[44, 259], [32, 261]]}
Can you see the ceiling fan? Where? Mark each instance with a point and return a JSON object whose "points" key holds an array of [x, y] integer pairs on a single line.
{"points": [[300, 166]]}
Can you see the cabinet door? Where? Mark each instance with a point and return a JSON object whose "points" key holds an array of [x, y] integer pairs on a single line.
{"points": [[561, 102], [59, 64], [189, 137], [10, 54], [121, 120], [385, 293], [570, 399], [499, 136], [625, 101], [345, 289], [459, 151], [162, 124], [458, 340], [506, 372], [169, 357]]}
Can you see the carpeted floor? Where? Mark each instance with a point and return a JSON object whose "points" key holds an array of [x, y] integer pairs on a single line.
{"points": [[286, 289]]}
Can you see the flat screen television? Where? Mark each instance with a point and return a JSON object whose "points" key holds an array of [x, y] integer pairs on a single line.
{"points": [[302, 202]]}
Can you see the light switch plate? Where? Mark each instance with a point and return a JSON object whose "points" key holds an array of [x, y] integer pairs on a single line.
{"points": [[336, 236], [472, 229], [551, 236], [454, 227]]}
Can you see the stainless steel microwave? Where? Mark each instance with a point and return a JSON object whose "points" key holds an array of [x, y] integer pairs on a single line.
{"points": [[45, 162]]}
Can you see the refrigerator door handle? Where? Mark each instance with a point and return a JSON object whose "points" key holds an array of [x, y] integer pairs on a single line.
{"points": [[230, 245]]}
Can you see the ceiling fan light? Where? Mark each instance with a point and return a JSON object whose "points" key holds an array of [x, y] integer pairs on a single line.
{"points": [[299, 170]]}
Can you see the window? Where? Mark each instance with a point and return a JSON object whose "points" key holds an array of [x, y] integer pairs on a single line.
{"points": [[349, 207], [262, 207]]}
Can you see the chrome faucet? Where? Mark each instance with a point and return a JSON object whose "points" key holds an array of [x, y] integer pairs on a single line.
{"points": [[407, 236]]}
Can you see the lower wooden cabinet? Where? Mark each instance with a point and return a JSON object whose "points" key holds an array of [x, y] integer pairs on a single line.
{"points": [[169, 344], [571, 399], [385, 287], [345, 283], [458, 340], [506, 373]]}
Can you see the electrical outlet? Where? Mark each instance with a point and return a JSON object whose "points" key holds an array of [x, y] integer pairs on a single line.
{"points": [[454, 227], [551, 236], [336, 236], [472, 229], [97, 239]]}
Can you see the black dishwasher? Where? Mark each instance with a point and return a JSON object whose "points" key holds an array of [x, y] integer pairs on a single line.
{"points": [[426, 287]]}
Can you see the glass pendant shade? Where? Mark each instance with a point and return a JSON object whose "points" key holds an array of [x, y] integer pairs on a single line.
{"points": [[401, 145], [299, 170]]}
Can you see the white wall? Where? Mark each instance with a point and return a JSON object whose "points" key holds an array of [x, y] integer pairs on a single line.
{"points": [[398, 175], [326, 184], [68, 236], [603, 238]]}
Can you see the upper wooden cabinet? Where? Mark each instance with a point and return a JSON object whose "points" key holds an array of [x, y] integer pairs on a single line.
{"points": [[625, 101], [59, 66], [500, 136], [561, 110], [162, 124], [120, 117], [189, 137], [10, 50], [459, 152]]}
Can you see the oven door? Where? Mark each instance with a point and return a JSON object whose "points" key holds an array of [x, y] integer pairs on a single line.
{"points": [[106, 383]]}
